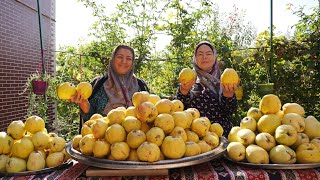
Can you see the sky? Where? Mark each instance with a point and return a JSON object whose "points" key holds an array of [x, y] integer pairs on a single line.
{"points": [[73, 19]]}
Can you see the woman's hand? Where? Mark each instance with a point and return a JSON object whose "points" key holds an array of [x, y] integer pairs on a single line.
{"points": [[228, 90], [83, 103], [77, 98], [186, 86]]}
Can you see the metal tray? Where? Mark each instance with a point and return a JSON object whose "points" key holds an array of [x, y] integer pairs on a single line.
{"points": [[42, 171], [163, 164], [274, 166]]}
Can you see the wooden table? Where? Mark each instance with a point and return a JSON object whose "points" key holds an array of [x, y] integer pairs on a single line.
{"points": [[215, 169]]}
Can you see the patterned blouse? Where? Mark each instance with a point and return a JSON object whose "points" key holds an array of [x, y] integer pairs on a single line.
{"points": [[218, 111]]}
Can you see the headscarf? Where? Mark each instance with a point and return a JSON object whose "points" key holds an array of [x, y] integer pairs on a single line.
{"points": [[208, 79], [120, 88]]}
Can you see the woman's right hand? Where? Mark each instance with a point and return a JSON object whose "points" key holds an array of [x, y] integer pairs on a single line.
{"points": [[186, 86], [77, 98], [83, 103]]}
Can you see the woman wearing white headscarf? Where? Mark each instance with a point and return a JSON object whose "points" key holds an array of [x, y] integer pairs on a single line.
{"points": [[115, 89], [214, 100]]}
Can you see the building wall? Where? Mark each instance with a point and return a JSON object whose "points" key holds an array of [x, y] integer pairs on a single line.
{"points": [[20, 53]]}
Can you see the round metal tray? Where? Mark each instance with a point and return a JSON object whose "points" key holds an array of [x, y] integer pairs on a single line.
{"points": [[163, 164], [41, 171], [274, 166]]}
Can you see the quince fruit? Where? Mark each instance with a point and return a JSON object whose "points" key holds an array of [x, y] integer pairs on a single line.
{"points": [[270, 104], [34, 124], [85, 88], [173, 147], [187, 74], [148, 151], [66, 90], [229, 76]]}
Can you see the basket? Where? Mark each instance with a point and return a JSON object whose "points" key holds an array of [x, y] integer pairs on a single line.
{"points": [[39, 87]]}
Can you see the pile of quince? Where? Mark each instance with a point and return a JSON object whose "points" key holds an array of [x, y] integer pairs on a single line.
{"points": [[153, 129], [275, 135], [28, 147]]}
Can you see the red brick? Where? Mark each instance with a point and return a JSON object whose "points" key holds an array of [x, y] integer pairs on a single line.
{"points": [[20, 53]]}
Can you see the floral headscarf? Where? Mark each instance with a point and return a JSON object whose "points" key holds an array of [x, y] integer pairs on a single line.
{"points": [[208, 79], [120, 88]]}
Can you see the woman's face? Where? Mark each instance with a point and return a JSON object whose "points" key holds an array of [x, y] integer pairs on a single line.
{"points": [[123, 61], [205, 57]]}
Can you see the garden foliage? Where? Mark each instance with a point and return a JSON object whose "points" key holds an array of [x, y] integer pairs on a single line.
{"points": [[141, 24]]}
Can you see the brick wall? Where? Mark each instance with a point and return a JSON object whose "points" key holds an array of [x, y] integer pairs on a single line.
{"points": [[20, 53]]}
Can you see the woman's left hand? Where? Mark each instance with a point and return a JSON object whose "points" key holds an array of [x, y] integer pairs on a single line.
{"points": [[229, 89]]}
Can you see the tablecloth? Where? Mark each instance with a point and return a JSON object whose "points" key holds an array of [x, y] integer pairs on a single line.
{"points": [[215, 169]]}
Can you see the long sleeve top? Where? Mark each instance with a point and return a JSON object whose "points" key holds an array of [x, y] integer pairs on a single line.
{"points": [[217, 110]]}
